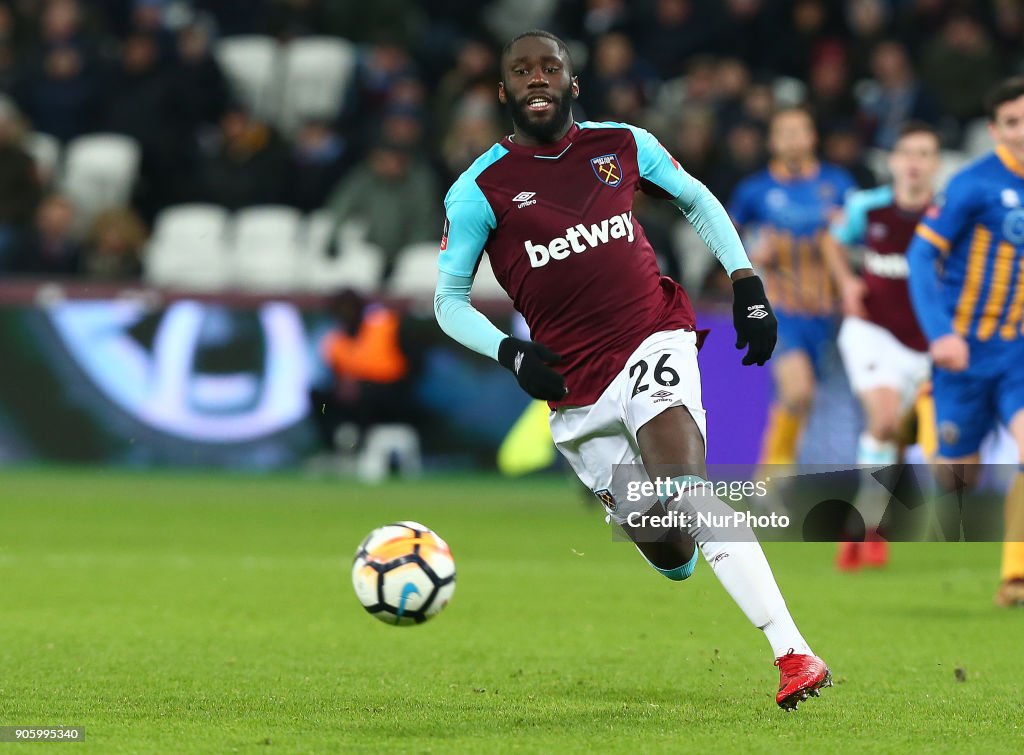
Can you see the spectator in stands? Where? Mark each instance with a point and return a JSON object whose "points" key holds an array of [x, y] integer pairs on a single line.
{"points": [[49, 247], [19, 182], [114, 245], [137, 102], [896, 96], [319, 157], [473, 131], [394, 195], [614, 68], [366, 352], [742, 153], [476, 65], [198, 90], [830, 97], [960, 66], [675, 32], [247, 165], [60, 94], [844, 146]]}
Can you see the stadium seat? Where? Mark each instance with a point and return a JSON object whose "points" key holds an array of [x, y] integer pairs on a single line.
{"points": [[45, 150], [485, 285], [188, 248], [266, 252], [358, 266], [100, 171], [385, 443], [316, 75], [951, 162], [251, 64], [415, 273], [316, 232], [977, 139], [192, 224], [695, 261]]}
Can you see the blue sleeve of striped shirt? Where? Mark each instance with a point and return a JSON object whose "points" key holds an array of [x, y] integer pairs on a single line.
{"points": [[926, 289]]}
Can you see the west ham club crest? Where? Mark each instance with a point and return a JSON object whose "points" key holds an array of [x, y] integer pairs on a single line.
{"points": [[607, 170]]}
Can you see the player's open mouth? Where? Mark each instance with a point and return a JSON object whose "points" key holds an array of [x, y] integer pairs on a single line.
{"points": [[538, 104]]}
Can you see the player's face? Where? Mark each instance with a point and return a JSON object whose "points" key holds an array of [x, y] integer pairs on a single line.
{"points": [[1008, 127], [538, 88], [792, 137], [914, 161]]}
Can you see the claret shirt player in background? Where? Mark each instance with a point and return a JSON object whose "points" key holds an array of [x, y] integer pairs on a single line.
{"points": [[615, 343]]}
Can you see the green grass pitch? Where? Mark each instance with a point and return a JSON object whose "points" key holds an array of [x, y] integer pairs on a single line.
{"points": [[214, 613]]}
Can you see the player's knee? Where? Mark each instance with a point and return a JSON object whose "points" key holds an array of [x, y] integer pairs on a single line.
{"points": [[883, 429]]}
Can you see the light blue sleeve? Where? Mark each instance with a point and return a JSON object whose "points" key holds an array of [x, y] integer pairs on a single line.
{"points": [[697, 203], [460, 320], [469, 221], [852, 226]]}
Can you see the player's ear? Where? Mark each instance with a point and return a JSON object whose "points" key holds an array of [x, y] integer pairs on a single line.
{"points": [[502, 97], [575, 87]]}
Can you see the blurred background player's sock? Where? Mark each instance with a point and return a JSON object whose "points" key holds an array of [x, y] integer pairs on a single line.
{"points": [[781, 436], [741, 567], [1013, 547], [872, 498]]}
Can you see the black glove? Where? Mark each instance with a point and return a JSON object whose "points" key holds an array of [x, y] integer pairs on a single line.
{"points": [[754, 320], [529, 362]]}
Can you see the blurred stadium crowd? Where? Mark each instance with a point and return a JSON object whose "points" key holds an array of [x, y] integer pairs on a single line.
{"points": [[306, 144]]}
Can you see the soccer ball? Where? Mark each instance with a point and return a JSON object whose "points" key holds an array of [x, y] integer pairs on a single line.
{"points": [[403, 573]]}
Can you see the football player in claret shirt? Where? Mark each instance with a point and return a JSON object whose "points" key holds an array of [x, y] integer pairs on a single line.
{"points": [[615, 349], [967, 288], [883, 348]]}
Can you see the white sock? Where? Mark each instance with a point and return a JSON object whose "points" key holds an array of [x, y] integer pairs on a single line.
{"points": [[743, 570], [872, 498]]}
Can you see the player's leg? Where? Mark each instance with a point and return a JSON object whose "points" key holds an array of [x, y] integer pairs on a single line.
{"points": [[1011, 591], [794, 377], [885, 375], [673, 439], [595, 443]]}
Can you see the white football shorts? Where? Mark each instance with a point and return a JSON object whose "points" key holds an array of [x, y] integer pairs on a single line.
{"points": [[875, 358], [661, 373]]}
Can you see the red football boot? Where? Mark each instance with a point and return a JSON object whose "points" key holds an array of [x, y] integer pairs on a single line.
{"points": [[875, 551], [800, 677], [849, 556]]}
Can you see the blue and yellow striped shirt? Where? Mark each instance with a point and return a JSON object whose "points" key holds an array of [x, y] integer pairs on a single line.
{"points": [[967, 257], [792, 213]]}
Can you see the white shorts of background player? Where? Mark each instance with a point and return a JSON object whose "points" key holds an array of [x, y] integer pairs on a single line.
{"points": [[875, 358]]}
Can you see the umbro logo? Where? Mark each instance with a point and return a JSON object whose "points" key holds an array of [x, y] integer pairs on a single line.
{"points": [[756, 312], [661, 394], [518, 362], [524, 199]]}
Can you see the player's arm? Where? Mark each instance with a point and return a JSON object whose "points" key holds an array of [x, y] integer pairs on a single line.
{"points": [[933, 238], [753, 318], [468, 224], [847, 230]]}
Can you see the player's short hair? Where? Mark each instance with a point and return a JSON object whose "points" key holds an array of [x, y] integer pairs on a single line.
{"points": [[789, 110], [1005, 91], [563, 48], [908, 128]]}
